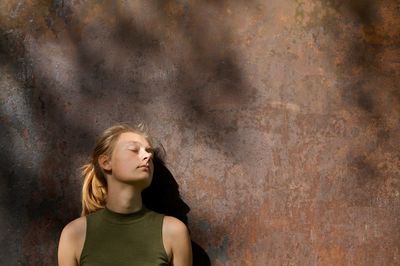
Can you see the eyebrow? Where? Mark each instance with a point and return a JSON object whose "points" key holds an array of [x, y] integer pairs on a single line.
{"points": [[136, 142]]}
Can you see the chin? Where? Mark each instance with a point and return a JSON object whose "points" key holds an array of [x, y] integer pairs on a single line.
{"points": [[142, 182]]}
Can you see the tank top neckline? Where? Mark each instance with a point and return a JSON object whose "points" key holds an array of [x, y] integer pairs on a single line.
{"points": [[123, 218]]}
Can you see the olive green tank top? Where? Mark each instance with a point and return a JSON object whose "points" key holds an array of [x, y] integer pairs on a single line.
{"points": [[124, 239]]}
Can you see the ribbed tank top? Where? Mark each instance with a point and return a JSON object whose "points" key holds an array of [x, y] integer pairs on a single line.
{"points": [[124, 239]]}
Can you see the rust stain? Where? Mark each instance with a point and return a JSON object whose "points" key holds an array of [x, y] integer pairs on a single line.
{"points": [[280, 120]]}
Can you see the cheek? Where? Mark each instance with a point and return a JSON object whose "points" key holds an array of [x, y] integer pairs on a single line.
{"points": [[122, 162]]}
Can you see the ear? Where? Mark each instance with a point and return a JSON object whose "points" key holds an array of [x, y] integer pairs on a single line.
{"points": [[105, 162]]}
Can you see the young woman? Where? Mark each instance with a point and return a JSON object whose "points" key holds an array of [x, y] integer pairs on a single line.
{"points": [[115, 227]]}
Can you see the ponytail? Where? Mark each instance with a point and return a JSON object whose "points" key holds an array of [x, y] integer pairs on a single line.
{"points": [[94, 189]]}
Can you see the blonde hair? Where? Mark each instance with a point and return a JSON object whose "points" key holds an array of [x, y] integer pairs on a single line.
{"points": [[94, 189]]}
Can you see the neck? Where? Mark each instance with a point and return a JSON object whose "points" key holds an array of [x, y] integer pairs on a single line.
{"points": [[123, 198]]}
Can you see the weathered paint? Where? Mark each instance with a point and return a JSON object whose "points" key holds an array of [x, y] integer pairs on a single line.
{"points": [[280, 120]]}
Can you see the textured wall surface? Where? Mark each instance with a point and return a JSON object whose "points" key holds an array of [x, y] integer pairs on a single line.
{"points": [[280, 120]]}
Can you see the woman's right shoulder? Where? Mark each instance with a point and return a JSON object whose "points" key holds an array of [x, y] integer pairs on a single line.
{"points": [[71, 241], [76, 227]]}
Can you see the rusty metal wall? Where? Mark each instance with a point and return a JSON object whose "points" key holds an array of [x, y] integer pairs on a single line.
{"points": [[280, 120]]}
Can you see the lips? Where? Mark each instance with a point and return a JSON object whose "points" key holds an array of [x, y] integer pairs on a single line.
{"points": [[145, 167]]}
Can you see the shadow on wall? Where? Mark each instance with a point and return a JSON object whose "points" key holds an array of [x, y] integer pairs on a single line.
{"points": [[365, 53], [37, 195], [39, 140], [369, 76], [163, 197]]}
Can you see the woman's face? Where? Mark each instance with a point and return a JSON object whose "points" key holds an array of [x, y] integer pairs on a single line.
{"points": [[132, 160]]}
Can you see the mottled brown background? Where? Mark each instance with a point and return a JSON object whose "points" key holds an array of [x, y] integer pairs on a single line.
{"points": [[280, 119]]}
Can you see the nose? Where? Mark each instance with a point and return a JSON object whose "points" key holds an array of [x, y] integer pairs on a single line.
{"points": [[147, 155]]}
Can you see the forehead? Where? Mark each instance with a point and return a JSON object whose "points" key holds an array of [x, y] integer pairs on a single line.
{"points": [[128, 137]]}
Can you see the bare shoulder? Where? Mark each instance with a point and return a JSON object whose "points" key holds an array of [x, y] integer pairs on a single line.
{"points": [[177, 241], [76, 228], [71, 241], [174, 227]]}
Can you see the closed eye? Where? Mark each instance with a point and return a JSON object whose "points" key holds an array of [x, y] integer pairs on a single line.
{"points": [[134, 148]]}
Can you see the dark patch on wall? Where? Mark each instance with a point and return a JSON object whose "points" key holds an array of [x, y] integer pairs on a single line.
{"points": [[278, 166]]}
